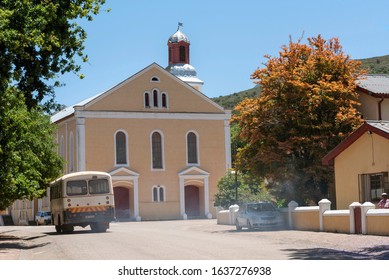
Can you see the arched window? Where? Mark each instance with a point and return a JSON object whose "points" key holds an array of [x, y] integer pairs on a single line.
{"points": [[121, 148], [155, 79], [147, 100], [164, 100], [159, 193], [155, 98], [157, 150], [182, 54], [191, 144]]}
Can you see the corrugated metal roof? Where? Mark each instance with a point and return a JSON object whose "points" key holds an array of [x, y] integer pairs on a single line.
{"points": [[68, 111], [376, 84], [382, 125]]}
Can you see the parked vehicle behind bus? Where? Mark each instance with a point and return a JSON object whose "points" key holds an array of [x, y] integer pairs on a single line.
{"points": [[82, 199]]}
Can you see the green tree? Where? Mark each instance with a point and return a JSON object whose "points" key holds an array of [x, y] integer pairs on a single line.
{"points": [[28, 158], [307, 106], [39, 39], [248, 190]]}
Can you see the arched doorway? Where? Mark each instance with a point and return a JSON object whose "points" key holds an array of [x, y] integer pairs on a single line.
{"points": [[192, 201], [122, 202]]}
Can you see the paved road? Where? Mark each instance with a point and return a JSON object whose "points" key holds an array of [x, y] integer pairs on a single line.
{"points": [[186, 240]]}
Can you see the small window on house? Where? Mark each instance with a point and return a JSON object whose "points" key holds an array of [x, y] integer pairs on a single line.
{"points": [[158, 193], [121, 148], [156, 150], [155, 79], [192, 153], [371, 186], [164, 100], [147, 100]]}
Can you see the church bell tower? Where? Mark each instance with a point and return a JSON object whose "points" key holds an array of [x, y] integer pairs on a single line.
{"points": [[179, 59]]}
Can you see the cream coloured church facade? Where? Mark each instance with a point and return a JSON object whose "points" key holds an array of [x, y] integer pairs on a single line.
{"points": [[164, 142]]}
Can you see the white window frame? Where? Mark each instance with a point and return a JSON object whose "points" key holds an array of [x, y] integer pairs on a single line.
{"points": [[197, 148], [158, 188], [115, 151], [144, 99], [167, 100], [162, 148], [153, 78]]}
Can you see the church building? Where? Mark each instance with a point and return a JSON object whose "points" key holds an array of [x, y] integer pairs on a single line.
{"points": [[165, 143]]}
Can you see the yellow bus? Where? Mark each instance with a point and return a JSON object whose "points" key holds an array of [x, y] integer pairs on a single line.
{"points": [[82, 199]]}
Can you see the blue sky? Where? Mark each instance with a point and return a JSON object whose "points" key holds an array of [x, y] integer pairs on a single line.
{"points": [[228, 38]]}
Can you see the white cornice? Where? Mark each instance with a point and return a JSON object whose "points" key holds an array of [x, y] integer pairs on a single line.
{"points": [[151, 115]]}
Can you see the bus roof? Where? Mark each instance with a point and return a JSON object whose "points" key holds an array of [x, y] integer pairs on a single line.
{"points": [[82, 173]]}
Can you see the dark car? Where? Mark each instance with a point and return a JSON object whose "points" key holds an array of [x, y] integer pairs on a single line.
{"points": [[258, 215]]}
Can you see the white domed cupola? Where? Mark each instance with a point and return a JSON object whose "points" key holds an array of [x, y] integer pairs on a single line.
{"points": [[178, 36], [179, 60]]}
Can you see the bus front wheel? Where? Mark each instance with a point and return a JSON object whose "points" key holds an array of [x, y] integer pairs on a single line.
{"points": [[58, 227]]}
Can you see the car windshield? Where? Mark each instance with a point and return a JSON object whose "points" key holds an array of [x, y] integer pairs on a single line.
{"points": [[259, 207]]}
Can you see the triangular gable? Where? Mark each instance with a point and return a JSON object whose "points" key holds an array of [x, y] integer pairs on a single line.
{"points": [[89, 102], [143, 71], [123, 171], [378, 127], [193, 171]]}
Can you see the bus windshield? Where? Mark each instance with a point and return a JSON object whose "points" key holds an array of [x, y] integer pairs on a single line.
{"points": [[83, 187], [76, 187], [98, 186]]}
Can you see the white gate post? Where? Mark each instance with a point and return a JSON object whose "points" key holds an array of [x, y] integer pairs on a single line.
{"points": [[324, 205], [291, 206], [365, 208], [352, 216]]}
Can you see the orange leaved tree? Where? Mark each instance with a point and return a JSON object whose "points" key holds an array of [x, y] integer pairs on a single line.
{"points": [[307, 106]]}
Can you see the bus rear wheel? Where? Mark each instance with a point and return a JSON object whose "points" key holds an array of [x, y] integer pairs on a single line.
{"points": [[99, 227], [67, 229]]}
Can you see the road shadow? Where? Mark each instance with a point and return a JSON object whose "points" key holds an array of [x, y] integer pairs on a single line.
{"points": [[23, 243], [371, 253], [81, 231]]}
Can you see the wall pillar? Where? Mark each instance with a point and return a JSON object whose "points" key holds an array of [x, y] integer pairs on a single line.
{"points": [[291, 206], [208, 215], [324, 205], [365, 208], [136, 200], [182, 199], [80, 128], [352, 215], [233, 209]]}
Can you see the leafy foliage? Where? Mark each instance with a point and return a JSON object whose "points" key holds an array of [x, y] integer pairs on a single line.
{"points": [[307, 106], [40, 39], [246, 188], [28, 158]]}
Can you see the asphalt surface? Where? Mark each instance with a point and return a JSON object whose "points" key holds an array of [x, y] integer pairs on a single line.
{"points": [[185, 240]]}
